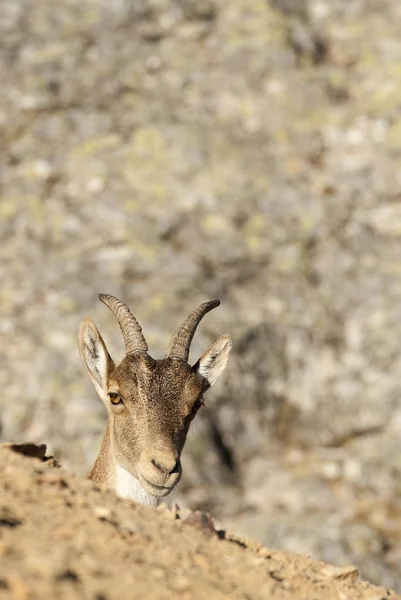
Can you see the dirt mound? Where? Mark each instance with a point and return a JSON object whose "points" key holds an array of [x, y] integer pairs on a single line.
{"points": [[62, 537]]}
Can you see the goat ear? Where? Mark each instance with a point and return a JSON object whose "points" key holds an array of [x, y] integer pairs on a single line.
{"points": [[213, 362], [95, 356]]}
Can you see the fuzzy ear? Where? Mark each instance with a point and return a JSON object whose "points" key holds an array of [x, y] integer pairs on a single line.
{"points": [[95, 356], [213, 362]]}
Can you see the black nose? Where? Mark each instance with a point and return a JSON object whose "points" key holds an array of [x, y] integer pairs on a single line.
{"points": [[167, 466]]}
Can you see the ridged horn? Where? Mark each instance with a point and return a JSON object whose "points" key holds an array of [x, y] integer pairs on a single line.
{"points": [[181, 341], [130, 328]]}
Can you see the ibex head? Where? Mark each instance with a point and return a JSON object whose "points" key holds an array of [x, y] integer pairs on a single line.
{"points": [[150, 403]]}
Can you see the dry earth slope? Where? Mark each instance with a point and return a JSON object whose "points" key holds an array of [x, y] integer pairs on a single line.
{"points": [[62, 537]]}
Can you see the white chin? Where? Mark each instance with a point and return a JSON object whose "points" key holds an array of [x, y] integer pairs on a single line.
{"points": [[154, 490]]}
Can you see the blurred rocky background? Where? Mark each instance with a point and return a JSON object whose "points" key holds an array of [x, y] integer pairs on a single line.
{"points": [[173, 151]]}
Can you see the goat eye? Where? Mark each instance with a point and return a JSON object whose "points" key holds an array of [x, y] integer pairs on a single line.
{"points": [[115, 398], [197, 405]]}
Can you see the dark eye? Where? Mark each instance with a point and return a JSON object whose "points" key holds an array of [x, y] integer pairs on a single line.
{"points": [[197, 405], [115, 398]]}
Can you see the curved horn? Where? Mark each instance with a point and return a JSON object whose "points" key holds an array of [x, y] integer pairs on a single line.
{"points": [[130, 328], [179, 345]]}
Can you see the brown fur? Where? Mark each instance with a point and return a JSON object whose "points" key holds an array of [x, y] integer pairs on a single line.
{"points": [[146, 431], [103, 469]]}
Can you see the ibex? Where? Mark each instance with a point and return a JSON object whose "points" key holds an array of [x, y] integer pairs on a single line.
{"points": [[150, 403]]}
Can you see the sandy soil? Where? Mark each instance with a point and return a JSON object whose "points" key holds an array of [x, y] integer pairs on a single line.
{"points": [[63, 537]]}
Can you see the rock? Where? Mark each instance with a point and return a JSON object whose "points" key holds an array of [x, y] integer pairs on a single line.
{"points": [[340, 572]]}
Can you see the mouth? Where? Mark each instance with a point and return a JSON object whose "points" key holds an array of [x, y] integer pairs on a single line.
{"points": [[155, 490]]}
